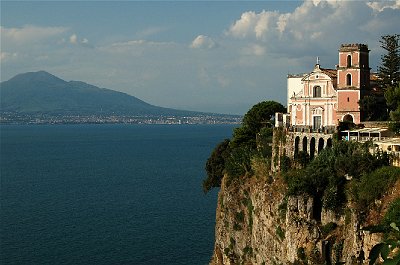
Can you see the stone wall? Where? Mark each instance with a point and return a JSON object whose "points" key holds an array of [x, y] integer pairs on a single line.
{"points": [[290, 143]]}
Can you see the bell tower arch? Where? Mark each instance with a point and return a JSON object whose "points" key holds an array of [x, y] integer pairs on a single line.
{"points": [[352, 79]]}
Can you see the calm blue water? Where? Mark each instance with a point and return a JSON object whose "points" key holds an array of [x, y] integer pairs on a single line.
{"points": [[107, 194]]}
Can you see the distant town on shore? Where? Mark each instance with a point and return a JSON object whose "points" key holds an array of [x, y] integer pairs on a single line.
{"points": [[18, 118]]}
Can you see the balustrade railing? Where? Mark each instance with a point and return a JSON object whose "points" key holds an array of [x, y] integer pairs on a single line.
{"points": [[310, 129]]}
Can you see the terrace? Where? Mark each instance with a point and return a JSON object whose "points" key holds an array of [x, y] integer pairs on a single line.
{"points": [[383, 139]]}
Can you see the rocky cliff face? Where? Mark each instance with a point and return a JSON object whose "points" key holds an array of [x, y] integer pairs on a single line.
{"points": [[257, 224]]}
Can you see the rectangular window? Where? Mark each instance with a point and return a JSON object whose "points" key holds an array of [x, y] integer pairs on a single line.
{"points": [[317, 122]]}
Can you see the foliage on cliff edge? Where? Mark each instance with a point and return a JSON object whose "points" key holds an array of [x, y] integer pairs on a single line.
{"points": [[234, 157]]}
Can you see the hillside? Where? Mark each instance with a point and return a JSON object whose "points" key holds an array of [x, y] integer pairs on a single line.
{"points": [[41, 92]]}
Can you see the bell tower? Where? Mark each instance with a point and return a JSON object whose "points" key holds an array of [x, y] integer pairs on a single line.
{"points": [[352, 80]]}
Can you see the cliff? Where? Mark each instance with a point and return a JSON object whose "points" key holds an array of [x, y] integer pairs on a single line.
{"points": [[257, 222]]}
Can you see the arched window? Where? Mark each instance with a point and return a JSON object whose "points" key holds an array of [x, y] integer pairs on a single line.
{"points": [[329, 142], [320, 145], [312, 147], [305, 144], [348, 60], [348, 118], [317, 92], [348, 79]]}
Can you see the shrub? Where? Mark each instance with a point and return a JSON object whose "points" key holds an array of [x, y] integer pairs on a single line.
{"points": [[338, 251], [388, 250], [395, 126], [264, 140], [215, 166], [259, 116], [393, 213], [324, 178], [239, 217], [237, 227], [246, 201], [334, 196], [238, 163], [298, 182], [285, 164], [260, 165], [328, 228], [280, 233], [282, 208], [372, 186], [247, 250], [301, 254], [302, 159]]}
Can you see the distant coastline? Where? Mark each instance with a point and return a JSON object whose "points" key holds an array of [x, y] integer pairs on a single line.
{"points": [[41, 118]]}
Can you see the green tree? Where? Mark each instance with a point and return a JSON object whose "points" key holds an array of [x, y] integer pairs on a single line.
{"points": [[215, 166], [238, 164], [392, 96], [259, 116], [389, 71], [377, 104], [373, 108]]}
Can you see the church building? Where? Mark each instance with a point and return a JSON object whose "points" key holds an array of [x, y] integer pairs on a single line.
{"points": [[323, 97]]}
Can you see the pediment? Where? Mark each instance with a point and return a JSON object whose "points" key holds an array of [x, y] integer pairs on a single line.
{"points": [[316, 76], [318, 109]]}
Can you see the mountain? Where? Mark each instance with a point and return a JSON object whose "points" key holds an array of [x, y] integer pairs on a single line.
{"points": [[41, 92]]}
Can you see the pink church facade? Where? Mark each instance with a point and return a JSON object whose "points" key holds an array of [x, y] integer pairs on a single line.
{"points": [[323, 97]]}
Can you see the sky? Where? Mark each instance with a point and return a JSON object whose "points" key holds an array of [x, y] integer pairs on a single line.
{"points": [[214, 56]]}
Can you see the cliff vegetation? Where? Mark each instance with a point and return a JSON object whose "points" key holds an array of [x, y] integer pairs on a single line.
{"points": [[339, 207]]}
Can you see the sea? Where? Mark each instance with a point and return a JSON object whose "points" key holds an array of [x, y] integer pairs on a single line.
{"points": [[107, 194]]}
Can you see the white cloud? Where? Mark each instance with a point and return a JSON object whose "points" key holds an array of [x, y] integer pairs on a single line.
{"points": [[29, 33], [318, 25], [136, 47], [73, 39], [6, 56], [203, 42], [245, 25], [382, 5], [254, 49], [138, 43], [150, 31]]}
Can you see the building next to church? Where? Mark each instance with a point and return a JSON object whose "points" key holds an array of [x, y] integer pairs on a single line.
{"points": [[323, 97], [319, 100]]}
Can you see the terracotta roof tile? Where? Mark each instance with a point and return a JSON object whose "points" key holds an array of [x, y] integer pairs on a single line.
{"points": [[332, 73]]}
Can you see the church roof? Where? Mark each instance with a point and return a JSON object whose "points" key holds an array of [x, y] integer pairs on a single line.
{"points": [[332, 73]]}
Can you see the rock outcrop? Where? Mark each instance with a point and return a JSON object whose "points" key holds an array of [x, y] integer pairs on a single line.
{"points": [[257, 224]]}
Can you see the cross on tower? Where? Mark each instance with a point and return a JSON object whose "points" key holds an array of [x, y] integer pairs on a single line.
{"points": [[317, 60]]}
